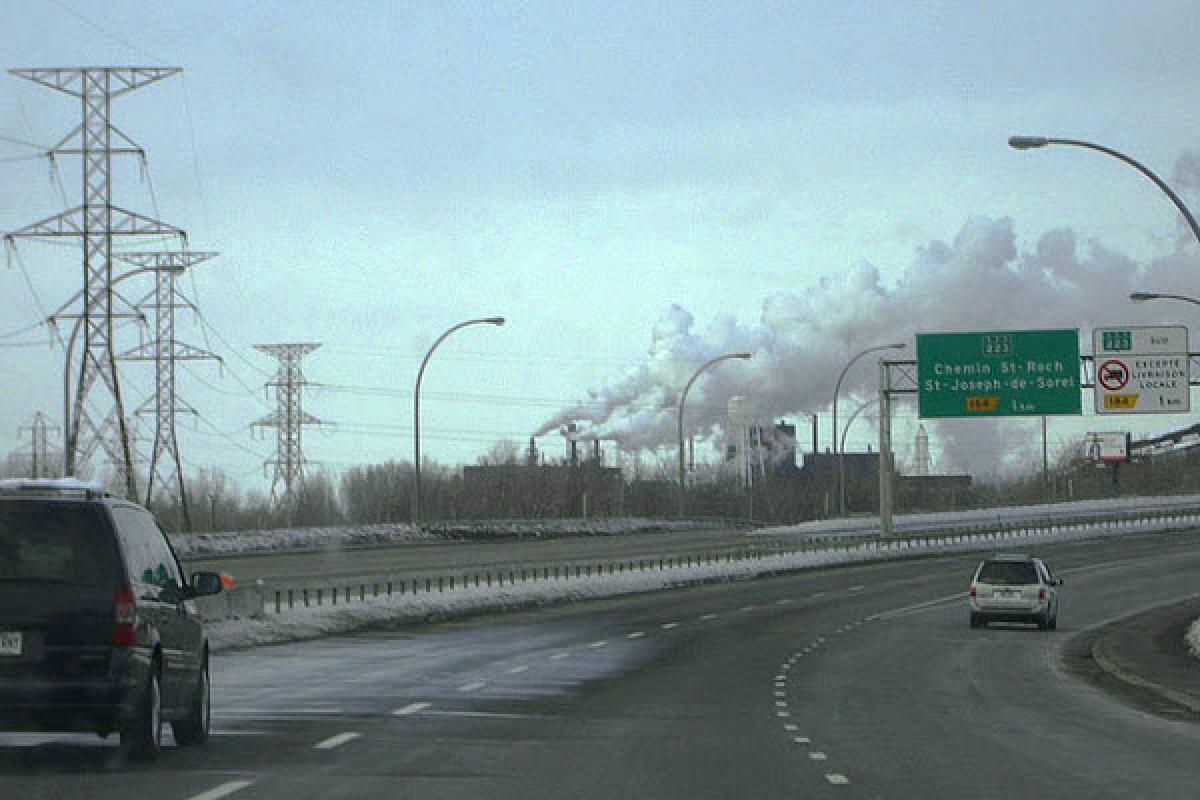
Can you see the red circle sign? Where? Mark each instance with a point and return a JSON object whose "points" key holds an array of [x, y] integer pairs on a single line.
{"points": [[1113, 375]]}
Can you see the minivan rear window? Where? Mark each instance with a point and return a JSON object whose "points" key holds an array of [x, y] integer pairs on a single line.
{"points": [[1008, 573], [54, 545]]}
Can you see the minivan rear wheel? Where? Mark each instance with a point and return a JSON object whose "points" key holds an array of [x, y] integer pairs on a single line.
{"points": [[141, 737], [193, 729]]}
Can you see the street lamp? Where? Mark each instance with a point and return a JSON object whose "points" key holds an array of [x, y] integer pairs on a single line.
{"points": [[1034, 142], [837, 390], [682, 400], [854, 416], [416, 499], [1141, 297]]}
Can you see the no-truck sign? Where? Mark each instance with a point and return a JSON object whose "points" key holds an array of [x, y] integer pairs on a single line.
{"points": [[1141, 370], [1113, 375]]}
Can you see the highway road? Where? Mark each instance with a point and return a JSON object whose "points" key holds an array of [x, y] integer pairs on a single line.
{"points": [[862, 681], [328, 567]]}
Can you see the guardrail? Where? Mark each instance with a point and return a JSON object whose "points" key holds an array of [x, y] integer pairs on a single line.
{"points": [[261, 599]]}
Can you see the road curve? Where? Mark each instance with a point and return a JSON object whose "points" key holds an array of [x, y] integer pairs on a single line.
{"points": [[862, 681]]}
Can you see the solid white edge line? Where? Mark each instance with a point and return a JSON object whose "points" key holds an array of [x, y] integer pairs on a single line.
{"points": [[224, 790], [411, 708], [336, 741]]}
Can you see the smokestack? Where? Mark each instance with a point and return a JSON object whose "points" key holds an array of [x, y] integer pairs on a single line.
{"points": [[596, 451], [532, 455]]}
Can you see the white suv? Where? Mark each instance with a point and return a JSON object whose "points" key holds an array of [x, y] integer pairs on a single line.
{"points": [[1014, 588]]}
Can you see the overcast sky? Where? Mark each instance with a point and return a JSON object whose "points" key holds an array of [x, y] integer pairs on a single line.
{"points": [[374, 172]]}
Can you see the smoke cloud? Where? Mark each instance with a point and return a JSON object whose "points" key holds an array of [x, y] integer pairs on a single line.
{"points": [[980, 280]]}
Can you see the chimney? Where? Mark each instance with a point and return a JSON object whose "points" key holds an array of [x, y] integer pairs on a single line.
{"points": [[596, 451]]}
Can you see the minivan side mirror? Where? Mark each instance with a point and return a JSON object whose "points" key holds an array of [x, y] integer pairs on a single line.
{"points": [[1058, 581], [205, 584]]}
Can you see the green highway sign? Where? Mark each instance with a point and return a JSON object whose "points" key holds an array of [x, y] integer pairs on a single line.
{"points": [[998, 373]]}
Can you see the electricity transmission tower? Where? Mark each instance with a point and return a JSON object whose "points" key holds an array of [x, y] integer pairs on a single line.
{"points": [[97, 222], [289, 417], [39, 452], [165, 475]]}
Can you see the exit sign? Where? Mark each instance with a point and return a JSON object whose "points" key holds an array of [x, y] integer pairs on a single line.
{"points": [[998, 373]]}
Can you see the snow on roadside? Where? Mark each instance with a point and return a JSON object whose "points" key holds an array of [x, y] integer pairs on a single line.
{"points": [[193, 545], [408, 609], [197, 545], [1193, 638]]}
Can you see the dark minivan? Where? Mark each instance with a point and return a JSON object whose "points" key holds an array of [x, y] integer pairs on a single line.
{"points": [[98, 629]]}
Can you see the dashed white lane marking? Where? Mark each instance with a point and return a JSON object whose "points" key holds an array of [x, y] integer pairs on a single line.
{"points": [[817, 755], [801, 740], [781, 693], [666, 626], [336, 741], [517, 670], [595, 645], [411, 708], [783, 713], [836, 777], [472, 686], [560, 656], [817, 594], [707, 617], [636, 635], [790, 727], [783, 602], [224, 790], [916, 607], [857, 588], [781, 677], [749, 608]]}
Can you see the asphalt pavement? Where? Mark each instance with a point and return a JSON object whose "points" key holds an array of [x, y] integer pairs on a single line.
{"points": [[860, 681]]}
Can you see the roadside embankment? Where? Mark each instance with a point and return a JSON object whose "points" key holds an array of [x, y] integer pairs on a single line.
{"points": [[1150, 651], [192, 546]]}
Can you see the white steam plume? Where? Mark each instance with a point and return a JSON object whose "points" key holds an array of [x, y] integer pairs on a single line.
{"points": [[979, 281]]}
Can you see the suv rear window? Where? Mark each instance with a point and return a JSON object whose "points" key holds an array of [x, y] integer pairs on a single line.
{"points": [[1008, 573], [54, 544]]}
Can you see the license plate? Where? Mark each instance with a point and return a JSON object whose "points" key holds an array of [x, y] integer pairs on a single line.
{"points": [[10, 643]]}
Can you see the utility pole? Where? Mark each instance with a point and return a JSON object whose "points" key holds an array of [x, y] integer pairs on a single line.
{"points": [[97, 221], [289, 417], [39, 452], [165, 475]]}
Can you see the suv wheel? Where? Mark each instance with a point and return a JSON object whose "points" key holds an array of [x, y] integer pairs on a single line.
{"points": [[141, 737], [193, 729], [976, 621], [1053, 623]]}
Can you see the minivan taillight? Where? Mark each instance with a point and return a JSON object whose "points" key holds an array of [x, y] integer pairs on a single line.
{"points": [[1041, 594], [972, 592], [124, 617]]}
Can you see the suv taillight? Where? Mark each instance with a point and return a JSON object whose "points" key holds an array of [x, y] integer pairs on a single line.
{"points": [[972, 592], [1041, 594], [124, 617]]}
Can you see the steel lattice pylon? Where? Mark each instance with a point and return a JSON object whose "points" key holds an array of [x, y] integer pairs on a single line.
{"points": [[97, 221], [165, 474], [289, 417]]}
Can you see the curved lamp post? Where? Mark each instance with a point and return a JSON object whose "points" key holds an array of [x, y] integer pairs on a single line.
{"points": [[837, 390], [682, 400], [854, 416], [416, 499], [1141, 297], [1034, 142]]}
